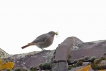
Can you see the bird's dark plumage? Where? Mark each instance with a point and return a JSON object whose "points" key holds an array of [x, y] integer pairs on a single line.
{"points": [[43, 41]]}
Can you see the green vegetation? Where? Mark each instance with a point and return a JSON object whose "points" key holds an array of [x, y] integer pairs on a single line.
{"points": [[104, 54], [93, 62], [102, 58], [92, 59], [57, 33], [79, 63], [81, 59], [45, 66], [86, 58], [69, 56], [96, 64], [75, 61], [17, 69], [8, 70], [69, 59], [70, 67], [33, 69]]}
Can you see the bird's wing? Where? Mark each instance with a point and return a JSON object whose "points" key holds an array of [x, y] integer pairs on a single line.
{"points": [[41, 38]]}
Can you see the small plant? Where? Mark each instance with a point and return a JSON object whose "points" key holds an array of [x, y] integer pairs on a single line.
{"points": [[45, 66], [103, 66], [70, 67], [75, 61], [104, 53], [86, 58], [17, 69], [23, 69], [69, 59], [41, 66], [92, 59], [69, 56], [8, 70], [100, 67], [96, 61], [94, 66], [81, 59], [102, 58], [33, 69], [79, 63]]}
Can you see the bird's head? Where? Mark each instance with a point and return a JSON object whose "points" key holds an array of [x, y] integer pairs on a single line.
{"points": [[53, 33]]}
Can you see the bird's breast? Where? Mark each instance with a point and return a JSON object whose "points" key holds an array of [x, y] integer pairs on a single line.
{"points": [[45, 43]]}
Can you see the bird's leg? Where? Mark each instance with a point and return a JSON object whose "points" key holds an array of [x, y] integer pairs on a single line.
{"points": [[43, 49]]}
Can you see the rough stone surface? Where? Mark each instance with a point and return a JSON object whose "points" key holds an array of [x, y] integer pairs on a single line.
{"points": [[61, 55], [34, 60], [60, 66], [89, 49], [64, 49], [3, 54]]}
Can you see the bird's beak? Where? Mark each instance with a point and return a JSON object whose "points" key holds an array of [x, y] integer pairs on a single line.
{"points": [[56, 33]]}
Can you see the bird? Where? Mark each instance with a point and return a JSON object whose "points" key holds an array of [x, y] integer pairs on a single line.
{"points": [[43, 41]]}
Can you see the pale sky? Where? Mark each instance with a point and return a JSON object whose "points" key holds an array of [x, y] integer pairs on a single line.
{"points": [[21, 21]]}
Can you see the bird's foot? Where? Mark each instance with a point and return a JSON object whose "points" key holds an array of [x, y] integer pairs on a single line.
{"points": [[43, 49]]}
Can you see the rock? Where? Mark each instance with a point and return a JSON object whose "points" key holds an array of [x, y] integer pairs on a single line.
{"points": [[3, 54]]}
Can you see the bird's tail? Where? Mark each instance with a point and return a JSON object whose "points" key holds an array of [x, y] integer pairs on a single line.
{"points": [[29, 44]]}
